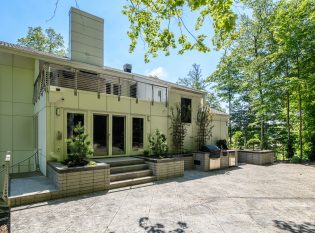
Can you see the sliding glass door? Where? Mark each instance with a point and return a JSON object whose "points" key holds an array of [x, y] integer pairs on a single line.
{"points": [[100, 135], [118, 135]]}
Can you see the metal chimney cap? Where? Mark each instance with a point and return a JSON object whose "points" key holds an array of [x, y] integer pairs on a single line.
{"points": [[128, 68]]}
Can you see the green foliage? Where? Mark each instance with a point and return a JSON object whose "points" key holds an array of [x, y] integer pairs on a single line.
{"points": [[158, 144], [295, 159], [50, 41], [92, 163], [267, 76], [204, 125], [195, 80], [253, 142], [238, 139], [161, 25], [178, 128], [78, 147], [146, 153], [222, 144]]}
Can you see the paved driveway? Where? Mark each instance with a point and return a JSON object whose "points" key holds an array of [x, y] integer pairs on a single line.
{"points": [[278, 198]]}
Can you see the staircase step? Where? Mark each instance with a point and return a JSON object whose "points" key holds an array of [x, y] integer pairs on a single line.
{"points": [[125, 162], [131, 182], [128, 168], [130, 175]]}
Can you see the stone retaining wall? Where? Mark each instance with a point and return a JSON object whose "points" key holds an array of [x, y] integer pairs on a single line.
{"points": [[166, 168], [79, 180], [256, 157]]}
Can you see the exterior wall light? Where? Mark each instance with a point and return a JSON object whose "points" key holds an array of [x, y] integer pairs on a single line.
{"points": [[57, 111]]}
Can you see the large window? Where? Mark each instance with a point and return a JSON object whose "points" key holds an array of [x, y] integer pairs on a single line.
{"points": [[100, 132], [137, 133], [186, 110], [73, 120]]}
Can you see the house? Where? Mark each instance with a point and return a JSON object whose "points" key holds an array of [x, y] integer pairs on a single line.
{"points": [[43, 96]]}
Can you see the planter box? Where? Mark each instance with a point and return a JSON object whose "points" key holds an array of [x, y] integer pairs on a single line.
{"points": [[79, 180], [188, 160], [166, 168], [259, 157]]}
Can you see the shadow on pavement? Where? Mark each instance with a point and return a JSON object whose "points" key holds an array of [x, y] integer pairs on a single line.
{"points": [[149, 227], [293, 227]]}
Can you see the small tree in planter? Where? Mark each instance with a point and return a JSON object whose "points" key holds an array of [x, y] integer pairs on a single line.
{"points": [[204, 124], [252, 142], [158, 145], [78, 148], [178, 128]]}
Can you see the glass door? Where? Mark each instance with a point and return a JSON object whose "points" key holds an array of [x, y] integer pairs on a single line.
{"points": [[100, 135], [118, 135]]}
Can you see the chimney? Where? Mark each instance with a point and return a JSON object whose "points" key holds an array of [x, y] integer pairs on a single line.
{"points": [[128, 68], [86, 37]]}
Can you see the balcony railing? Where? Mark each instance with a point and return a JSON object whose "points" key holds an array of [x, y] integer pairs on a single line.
{"points": [[100, 83]]}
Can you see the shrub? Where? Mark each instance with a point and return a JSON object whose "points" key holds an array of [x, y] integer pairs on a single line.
{"points": [[92, 163], [178, 128], [252, 142], [78, 148], [222, 144], [146, 153], [158, 144], [238, 139], [204, 125], [295, 159]]}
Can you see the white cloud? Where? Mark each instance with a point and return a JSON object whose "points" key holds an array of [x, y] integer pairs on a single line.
{"points": [[159, 72]]}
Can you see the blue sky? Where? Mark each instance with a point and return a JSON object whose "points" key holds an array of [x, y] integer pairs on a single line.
{"points": [[16, 16]]}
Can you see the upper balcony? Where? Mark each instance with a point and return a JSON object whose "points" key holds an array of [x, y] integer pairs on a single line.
{"points": [[132, 86]]}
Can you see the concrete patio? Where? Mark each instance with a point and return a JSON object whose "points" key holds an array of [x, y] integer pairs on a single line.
{"points": [[278, 198]]}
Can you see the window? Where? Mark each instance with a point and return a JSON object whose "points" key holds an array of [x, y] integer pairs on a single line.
{"points": [[116, 89], [133, 90], [137, 133], [100, 134], [73, 120], [186, 110]]}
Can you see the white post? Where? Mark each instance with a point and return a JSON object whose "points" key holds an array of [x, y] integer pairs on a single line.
{"points": [[6, 176]]}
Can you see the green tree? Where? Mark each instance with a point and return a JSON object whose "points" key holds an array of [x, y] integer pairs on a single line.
{"points": [[161, 25], [78, 147], [195, 80], [48, 41]]}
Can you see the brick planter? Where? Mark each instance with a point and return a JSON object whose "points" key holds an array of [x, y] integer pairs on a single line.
{"points": [[166, 168], [79, 180], [188, 160], [256, 157]]}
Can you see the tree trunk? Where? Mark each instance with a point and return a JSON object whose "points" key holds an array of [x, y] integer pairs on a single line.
{"points": [[289, 146], [300, 121]]}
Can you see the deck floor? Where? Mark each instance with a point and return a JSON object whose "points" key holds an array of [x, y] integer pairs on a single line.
{"points": [[30, 184]]}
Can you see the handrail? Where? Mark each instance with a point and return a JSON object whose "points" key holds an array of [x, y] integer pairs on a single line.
{"points": [[35, 155]]}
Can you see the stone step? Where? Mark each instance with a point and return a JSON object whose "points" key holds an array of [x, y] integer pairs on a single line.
{"points": [[131, 182], [125, 162], [128, 168], [130, 175]]}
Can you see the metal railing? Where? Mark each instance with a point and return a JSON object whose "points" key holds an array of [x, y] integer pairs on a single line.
{"points": [[100, 83], [8, 168]]}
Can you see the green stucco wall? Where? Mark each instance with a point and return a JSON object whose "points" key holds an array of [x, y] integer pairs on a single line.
{"points": [[16, 108]]}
